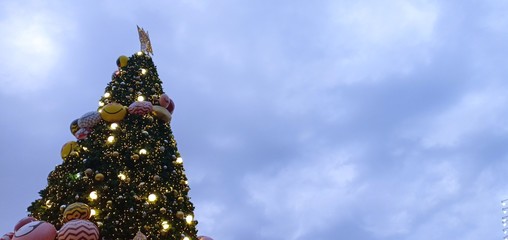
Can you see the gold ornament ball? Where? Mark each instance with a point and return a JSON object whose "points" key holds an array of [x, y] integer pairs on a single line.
{"points": [[89, 171], [163, 210], [115, 154], [135, 157], [156, 178], [99, 177], [180, 214], [180, 199], [122, 61]]}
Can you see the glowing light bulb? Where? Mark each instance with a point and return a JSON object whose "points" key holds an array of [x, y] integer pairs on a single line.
{"points": [[85, 148], [141, 98], [189, 219], [140, 53], [106, 95], [111, 139], [122, 176], [179, 160], [93, 212], [165, 225], [93, 195], [113, 126], [101, 104], [186, 238], [142, 151], [152, 197], [49, 203], [143, 71]]}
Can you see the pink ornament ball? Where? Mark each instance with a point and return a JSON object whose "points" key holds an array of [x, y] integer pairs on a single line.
{"points": [[78, 230], [204, 238], [36, 230], [89, 119], [164, 100], [7, 236], [22, 222], [82, 133], [140, 108], [171, 106]]}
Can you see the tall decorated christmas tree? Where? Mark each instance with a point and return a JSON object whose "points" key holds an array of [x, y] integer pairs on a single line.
{"points": [[123, 172]]}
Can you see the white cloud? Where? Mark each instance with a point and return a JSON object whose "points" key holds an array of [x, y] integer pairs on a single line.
{"points": [[476, 112], [378, 39], [32, 38], [315, 188]]}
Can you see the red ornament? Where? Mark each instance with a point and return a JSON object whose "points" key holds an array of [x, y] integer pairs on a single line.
{"points": [[39, 230], [22, 222], [171, 106]]}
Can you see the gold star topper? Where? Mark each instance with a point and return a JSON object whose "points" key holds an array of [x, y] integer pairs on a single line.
{"points": [[139, 236], [144, 39]]}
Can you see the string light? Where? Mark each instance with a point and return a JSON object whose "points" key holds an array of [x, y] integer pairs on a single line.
{"points": [[143, 71], [165, 225], [113, 126], [122, 176], [142, 151], [93, 212], [189, 219], [140, 53], [186, 238], [152, 197], [93, 195], [141, 98], [179, 160], [107, 94], [101, 103], [111, 139]]}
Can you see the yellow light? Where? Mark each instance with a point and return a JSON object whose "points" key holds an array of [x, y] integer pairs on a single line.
{"points": [[106, 95], [111, 139], [113, 126], [186, 238], [93, 212], [93, 195], [143, 71], [122, 176], [100, 110], [141, 98], [85, 148], [101, 104], [152, 197], [165, 225], [189, 219], [142, 151], [140, 53], [179, 160], [48, 203]]}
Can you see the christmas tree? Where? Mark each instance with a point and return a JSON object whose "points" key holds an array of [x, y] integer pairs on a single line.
{"points": [[123, 172]]}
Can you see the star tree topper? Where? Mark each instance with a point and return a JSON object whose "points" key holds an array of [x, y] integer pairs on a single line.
{"points": [[144, 39]]}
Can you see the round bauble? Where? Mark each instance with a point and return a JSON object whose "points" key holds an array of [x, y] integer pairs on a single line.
{"points": [[22, 222], [122, 61], [83, 133], [7, 236], [89, 171], [78, 230], [161, 113], [180, 214], [36, 230], [113, 112], [77, 210], [89, 119], [171, 106], [204, 238], [74, 126], [68, 148], [140, 107], [135, 157], [99, 177], [164, 100]]}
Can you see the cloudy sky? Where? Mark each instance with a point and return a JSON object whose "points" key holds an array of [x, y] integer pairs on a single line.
{"points": [[297, 120]]}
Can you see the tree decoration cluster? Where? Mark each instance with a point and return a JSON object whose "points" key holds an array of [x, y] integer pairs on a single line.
{"points": [[123, 166]]}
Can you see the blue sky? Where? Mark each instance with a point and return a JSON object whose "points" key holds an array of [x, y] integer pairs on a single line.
{"points": [[372, 120]]}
